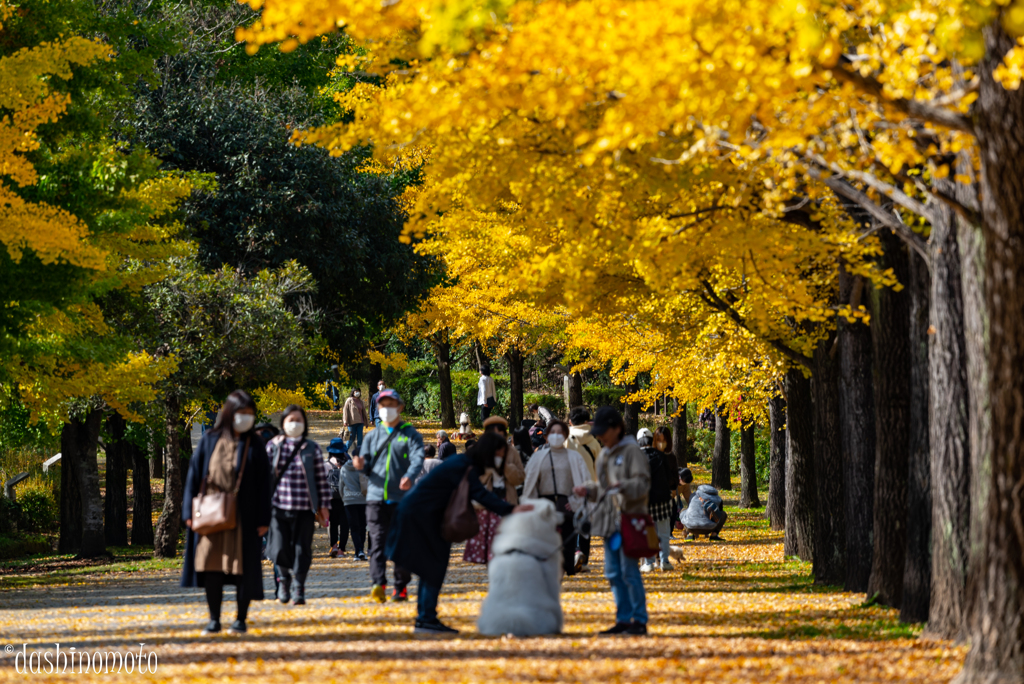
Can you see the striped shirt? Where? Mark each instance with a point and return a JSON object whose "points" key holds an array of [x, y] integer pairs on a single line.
{"points": [[292, 493]]}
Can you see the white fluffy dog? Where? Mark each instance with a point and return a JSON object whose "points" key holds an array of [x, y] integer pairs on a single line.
{"points": [[525, 575]]}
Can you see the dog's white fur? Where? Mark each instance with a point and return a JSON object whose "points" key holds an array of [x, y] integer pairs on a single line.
{"points": [[523, 596], [676, 553]]}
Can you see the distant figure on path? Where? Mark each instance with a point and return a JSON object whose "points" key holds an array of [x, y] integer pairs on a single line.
{"points": [[486, 397], [374, 408], [354, 417]]}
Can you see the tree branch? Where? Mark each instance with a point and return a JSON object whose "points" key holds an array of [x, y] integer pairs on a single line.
{"points": [[714, 301]]}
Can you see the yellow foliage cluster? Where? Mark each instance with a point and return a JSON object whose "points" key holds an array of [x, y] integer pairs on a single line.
{"points": [[271, 399], [397, 361]]}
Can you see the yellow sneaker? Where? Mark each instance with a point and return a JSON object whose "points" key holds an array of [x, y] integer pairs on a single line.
{"points": [[378, 593]]}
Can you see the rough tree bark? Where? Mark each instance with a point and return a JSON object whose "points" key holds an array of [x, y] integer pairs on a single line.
{"points": [[515, 376], [156, 461], [949, 432], [679, 428], [79, 440], [890, 328], [575, 390], [631, 414], [165, 542], [748, 468], [142, 504], [857, 428], [775, 510], [721, 458], [917, 570], [115, 499], [443, 352], [996, 590], [830, 513], [70, 501], [801, 492]]}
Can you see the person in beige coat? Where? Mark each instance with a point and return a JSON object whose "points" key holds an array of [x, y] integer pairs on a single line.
{"points": [[502, 480], [354, 417], [623, 483]]}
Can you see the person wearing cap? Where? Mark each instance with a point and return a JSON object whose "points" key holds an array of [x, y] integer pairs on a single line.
{"points": [[392, 459], [337, 454], [445, 448], [502, 480], [663, 483], [623, 468]]}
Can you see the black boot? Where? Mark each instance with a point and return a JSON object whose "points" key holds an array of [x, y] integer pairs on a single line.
{"points": [[284, 586], [300, 592]]}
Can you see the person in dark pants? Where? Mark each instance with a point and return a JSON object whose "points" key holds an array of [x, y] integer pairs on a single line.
{"points": [[415, 540], [339, 518], [230, 457], [391, 458], [353, 491], [301, 497], [486, 396]]}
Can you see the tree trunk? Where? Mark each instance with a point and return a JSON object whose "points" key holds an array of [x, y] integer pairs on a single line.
{"points": [[721, 459], [115, 500], [156, 461], [949, 432], [515, 380], [631, 414], [482, 360], [801, 492], [575, 390], [443, 352], [748, 468], [890, 328], [142, 506], [79, 440], [375, 376], [917, 571], [830, 515], [996, 592], [70, 496], [776, 508], [679, 429], [165, 543], [857, 427]]}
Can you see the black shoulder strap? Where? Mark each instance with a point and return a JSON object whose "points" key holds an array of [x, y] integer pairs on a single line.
{"points": [[554, 479], [384, 446], [585, 447]]}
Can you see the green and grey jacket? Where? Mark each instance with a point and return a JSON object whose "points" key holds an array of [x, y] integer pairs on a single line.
{"points": [[403, 457]]}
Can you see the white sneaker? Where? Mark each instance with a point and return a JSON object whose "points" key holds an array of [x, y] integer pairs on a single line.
{"points": [[666, 566], [646, 567]]}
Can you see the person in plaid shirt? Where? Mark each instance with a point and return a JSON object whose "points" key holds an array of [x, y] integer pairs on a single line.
{"points": [[301, 497]]}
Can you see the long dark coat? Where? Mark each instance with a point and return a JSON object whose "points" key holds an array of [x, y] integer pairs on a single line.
{"points": [[253, 508], [414, 540]]}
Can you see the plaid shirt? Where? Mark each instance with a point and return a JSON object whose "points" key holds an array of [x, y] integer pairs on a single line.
{"points": [[292, 493]]}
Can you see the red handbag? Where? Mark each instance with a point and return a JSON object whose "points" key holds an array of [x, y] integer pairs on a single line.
{"points": [[639, 536]]}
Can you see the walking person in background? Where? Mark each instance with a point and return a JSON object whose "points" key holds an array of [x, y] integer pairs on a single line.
{"points": [[502, 480], [301, 497], [337, 454], [353, 493], [588, 447], [229, 458], [392, 459], [553, 473], [486, 397], [415, 540], [354, 417], [374, 407], [664, 481], [623, 483]]}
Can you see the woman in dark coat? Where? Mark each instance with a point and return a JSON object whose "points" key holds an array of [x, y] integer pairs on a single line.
{"points": [[415, 540], [232, 556]]}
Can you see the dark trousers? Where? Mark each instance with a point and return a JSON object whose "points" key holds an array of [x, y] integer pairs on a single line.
{"points": [[426, 601], [568, 547], [357, 525], [584, 546], [291, 534], [339, 523], [485, 413], [378, 522], [214, 583]]}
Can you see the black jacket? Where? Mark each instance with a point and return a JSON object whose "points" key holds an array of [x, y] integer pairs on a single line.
{"points": [[253, 508], [414, 540], [664, 478]]}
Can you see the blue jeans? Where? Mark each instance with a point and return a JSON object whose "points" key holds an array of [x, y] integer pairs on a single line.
{"points": [[623, 574], [426, 601], [664, 528], [355, 435]]}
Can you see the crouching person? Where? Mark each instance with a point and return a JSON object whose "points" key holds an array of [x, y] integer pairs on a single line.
{"points": [[705, 514], [301, 497]]}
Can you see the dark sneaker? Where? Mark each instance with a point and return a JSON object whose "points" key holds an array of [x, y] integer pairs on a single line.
{"points": [[361, 556], [284, 589], [334, 551], [636, 629], [715, 537], [400, 595], [433, 627], [212, 628], [237, 627], [300, 595], [619, 628]]}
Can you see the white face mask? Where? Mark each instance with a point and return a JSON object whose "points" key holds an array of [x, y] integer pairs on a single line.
{"points": [[243, 422], [389, 414], [498, 460], [556, 440], [356, 393], [294, 428]]}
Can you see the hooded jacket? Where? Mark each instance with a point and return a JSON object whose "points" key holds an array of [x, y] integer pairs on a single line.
{"points": [[625, 466], [402, 457], [587, 445]]}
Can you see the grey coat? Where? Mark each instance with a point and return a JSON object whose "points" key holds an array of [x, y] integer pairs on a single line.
{"points": [[353, 484], [624, 466]]}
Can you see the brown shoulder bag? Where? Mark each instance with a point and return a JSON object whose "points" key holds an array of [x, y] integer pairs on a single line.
{"points": [[460, 522], [217, 512]]}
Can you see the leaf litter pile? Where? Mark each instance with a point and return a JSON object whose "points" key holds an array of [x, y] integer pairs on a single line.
{"points": [[732, 612]]}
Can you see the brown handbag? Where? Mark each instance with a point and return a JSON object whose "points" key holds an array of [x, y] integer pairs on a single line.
{"points": [[460, 522], [217, 512]]}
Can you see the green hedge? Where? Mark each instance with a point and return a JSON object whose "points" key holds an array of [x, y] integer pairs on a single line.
{"points": [[419, 387], [596, 397], [19, 545]]}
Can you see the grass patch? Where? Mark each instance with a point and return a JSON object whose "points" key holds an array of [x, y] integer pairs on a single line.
{"points": [[49, 568]]}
